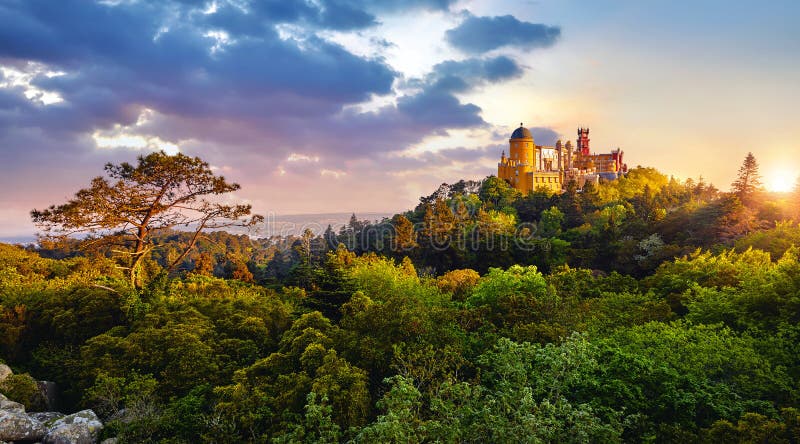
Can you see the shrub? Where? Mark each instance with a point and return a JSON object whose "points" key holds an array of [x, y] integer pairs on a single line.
{"points": [[23, 388]]}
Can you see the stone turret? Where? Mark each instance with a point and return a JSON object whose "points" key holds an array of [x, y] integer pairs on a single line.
{"points": [[568, 146], [559, 149]]}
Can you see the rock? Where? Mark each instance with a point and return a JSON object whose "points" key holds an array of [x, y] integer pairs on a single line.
{"points": [[17, 426], [110, 441], [48, 391], [46, 418], [9, 405], [5, 372], [78, 428]]}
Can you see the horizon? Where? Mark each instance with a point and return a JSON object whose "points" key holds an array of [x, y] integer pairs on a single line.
{"points": [[375, 106]]}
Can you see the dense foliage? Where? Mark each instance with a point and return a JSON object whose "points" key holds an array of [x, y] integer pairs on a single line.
{"points": [[642, 310]]}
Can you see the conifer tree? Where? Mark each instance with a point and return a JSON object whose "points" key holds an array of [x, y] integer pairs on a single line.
{"points": [[461, 213], [331, 242], [428, 226], [748, 182], [445, 222], [404, 235]]}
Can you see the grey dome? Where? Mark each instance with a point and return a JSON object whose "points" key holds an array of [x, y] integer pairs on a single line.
{"points": [[521, 133]]}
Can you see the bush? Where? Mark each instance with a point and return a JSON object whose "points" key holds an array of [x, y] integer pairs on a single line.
{"points": [[23, 388]]}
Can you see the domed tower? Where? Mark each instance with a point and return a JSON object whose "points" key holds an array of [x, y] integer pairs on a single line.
{"points": [[521, 146], [522, 154]]}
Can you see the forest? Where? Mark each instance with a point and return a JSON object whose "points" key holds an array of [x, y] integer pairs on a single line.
{"points": [[646, 309]]}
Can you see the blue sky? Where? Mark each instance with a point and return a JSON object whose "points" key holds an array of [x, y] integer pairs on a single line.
{"points": [[364, 105]]}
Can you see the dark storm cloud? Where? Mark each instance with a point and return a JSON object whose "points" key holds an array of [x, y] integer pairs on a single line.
{"points": [[482, 34], [120, 59]]}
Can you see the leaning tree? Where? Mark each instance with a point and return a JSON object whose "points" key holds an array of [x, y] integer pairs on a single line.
{"points": [[123, 210]]}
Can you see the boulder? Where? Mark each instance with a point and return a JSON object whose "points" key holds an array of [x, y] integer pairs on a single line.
{"points": [[5, 372], [17, 426], [9, 405], [110, 441], [78, 428], [48, 391], [46, 418]]}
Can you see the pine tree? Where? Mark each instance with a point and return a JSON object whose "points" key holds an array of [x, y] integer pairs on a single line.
{"points": [[461, 214], [331, 242], [445, 221], [404, 235], [137, 201], [408, 267], [428, 226], [748, 182], [570, 205]]}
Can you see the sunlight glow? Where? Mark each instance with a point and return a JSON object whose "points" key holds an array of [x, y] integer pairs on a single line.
{"points": [[134, 141], [15, 78], [781, 181], [131, 136], [221, 40]]}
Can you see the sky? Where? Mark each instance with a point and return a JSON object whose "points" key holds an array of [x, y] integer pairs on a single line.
{"points": [[325, 106]]}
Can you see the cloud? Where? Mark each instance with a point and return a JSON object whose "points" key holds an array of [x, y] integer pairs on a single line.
{"points": [[253, 91], [440, 109], [251, 17], [543, 135], [130, 58], [478, 35], [253, 86], [464, 75]]}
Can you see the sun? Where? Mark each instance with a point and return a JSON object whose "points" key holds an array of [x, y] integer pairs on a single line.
{"points": [[781, 181]]}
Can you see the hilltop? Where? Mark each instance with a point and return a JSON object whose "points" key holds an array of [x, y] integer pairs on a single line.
{"points": [[640, 309]]}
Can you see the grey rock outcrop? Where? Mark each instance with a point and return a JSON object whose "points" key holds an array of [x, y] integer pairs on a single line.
{"points": [[45, 427], [78, 428], [17, 426], [46, 417], [9, 405]]}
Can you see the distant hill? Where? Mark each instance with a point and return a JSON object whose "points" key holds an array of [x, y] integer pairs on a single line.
{"points": [[17, 239], [274, 225], [294, 224]]}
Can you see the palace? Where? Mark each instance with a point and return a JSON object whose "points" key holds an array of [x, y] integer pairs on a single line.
{"points": [[530, 166]]}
